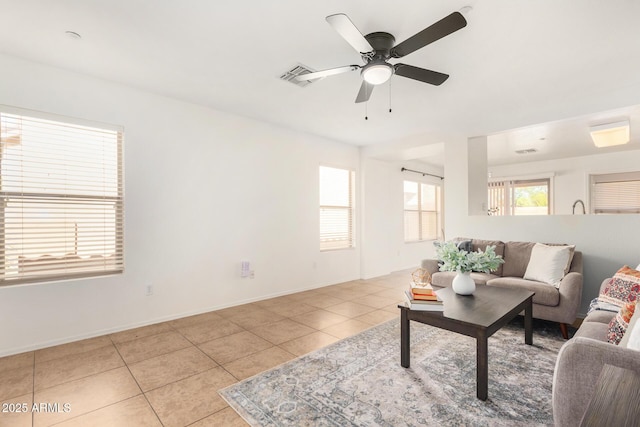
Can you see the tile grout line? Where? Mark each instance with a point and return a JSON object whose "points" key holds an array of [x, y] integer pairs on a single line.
{"points": [[111, 404], [144, 392], [138, 384], [214, 361], [79, 378]]}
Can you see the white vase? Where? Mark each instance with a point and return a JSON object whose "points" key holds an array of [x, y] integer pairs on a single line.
{"points": [[463, 284]]}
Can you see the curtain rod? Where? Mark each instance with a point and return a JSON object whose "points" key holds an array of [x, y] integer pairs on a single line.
{"points": [[423, 173]]}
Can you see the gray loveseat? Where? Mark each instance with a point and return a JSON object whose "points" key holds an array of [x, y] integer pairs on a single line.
{"points": [[580, 362], [549, 303]]}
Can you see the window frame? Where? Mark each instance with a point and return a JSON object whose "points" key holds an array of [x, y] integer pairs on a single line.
{"points": [[100, 199], [328, 244], [439, 212], [507, 186]]}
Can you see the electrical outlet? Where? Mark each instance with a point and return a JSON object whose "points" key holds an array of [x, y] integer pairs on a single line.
{"points": [[148, 290]]}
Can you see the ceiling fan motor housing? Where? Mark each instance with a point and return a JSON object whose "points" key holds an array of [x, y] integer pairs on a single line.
{"points": [[382, 43], [378, 70]]}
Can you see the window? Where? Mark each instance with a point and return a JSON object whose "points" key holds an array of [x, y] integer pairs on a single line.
{"points": [[61, 198], [422, 211], [615, 193], [337, 196], [520, 197]]}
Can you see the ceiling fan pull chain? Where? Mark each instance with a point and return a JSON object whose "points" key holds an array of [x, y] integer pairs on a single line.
{"points": [[366, 110], [389, 95]]}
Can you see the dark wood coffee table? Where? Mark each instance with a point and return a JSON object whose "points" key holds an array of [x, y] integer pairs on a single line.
{"points": [[479, 315]]}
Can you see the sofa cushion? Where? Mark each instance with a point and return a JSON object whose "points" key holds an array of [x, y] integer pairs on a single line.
{"points": [[623, 287], [516, 258], [544, 294], [599, 316], [593, 330], [619, 324], [444, 278], [549, 264], [482, 245]]}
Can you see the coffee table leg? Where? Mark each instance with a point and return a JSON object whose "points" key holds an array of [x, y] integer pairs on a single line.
{"points": [[528, 323], [482, 366], [404, 338]]}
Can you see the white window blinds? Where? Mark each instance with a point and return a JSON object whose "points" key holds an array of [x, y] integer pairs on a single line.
{"points": [[615, 193], [337, 196], [62, 204], [498, 198], [422, 211]]}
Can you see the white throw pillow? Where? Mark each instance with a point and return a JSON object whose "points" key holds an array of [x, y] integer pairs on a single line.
{"points": [[548, 263], [638, 267], [624, 342], [633, 332]]}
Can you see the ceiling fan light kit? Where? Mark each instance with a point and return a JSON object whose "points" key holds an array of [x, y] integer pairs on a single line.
{"points": [[376, 73], [377, 48]]}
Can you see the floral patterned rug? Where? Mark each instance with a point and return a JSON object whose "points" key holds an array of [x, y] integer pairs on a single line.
{"points": [[359, 381]]}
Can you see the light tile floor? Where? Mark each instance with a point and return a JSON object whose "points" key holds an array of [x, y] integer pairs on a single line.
{"points": [[168, 374]]}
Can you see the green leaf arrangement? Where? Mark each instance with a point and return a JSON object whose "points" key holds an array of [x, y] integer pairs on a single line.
{"points": [[463, 261]]}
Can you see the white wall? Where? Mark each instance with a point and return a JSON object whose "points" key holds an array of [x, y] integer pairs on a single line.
{"points": [[203, 191], [607, 241], [571, 175], [383, 247]]}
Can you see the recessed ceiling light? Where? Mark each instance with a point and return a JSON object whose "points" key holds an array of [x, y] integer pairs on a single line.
{"points": [[465, 10], [73, 35]]}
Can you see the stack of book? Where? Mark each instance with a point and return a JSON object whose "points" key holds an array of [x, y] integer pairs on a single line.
{"points": [[423, 298]]}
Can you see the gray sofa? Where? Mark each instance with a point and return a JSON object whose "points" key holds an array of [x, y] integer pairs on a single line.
{"points": [[579, 364], [556, 305]]}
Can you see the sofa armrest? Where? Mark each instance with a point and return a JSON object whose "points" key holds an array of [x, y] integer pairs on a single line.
{"points": [[570, 297], [578, 367], [604, 284], [431, 265]]}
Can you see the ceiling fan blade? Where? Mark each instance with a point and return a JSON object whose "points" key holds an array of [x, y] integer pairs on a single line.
{"points": [[440, 29], [420, 74], [343, 25], [365, 92], [325, 73]]}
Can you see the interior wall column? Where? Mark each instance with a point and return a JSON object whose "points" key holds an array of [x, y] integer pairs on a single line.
{"points": [[477, 175], [455, 186]]}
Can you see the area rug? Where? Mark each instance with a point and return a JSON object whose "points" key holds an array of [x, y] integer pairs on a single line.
{"points": [[359, 381]]}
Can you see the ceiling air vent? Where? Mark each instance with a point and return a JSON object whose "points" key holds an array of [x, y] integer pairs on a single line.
{"points": [[290, 76], [526, 151]]}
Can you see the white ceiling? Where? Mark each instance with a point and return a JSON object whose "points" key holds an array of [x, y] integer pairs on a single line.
{"points": [[518, 64]]}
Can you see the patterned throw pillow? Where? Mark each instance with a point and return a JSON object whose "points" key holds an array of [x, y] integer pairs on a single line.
{"points": [[622, 288], [620, 323]]}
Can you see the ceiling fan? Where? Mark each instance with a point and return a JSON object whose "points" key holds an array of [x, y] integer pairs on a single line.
{"points": [[377, 48]]}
